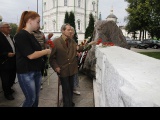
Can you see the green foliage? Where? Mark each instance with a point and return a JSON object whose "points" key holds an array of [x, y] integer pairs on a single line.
{"points": [[72, 23], [72, 19], [152, 54], [90, 28], [144, 15], [66, 20], [14, 29]]}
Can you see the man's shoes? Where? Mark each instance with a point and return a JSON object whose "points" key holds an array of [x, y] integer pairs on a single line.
{"points": [[76, 92], [73, 104], [9, 97]]}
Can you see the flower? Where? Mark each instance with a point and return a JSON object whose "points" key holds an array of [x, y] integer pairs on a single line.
{"points": [[82, 43], [105, 44], [50, 43], [99, 41]]}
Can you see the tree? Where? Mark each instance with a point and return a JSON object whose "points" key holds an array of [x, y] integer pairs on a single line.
{"points": [[14, 29], [72, 23], [90, 28], [134, 21], [144, 15], [66, 20], [154, 18]]}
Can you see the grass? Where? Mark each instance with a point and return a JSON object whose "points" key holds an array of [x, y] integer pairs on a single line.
{"points": [[152, 54]]}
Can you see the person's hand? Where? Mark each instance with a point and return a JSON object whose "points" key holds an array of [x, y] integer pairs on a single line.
{"points": [[58, 70], [48, 51], [11, 54], [77, 47]]}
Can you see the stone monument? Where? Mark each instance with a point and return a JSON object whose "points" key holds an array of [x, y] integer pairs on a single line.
{"points": [[108, 31]]}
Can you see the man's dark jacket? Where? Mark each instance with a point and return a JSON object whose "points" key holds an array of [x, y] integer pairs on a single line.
{"points": [[6, 63]]}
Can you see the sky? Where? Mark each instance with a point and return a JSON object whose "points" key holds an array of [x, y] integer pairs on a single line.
{"points": [[11, 10]]}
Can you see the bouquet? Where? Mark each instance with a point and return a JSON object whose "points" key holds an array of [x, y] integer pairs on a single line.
{"points": [[50, 43]]}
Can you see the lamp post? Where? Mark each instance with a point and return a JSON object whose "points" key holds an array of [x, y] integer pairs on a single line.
{"points": [[1, 18], [37, 6]]}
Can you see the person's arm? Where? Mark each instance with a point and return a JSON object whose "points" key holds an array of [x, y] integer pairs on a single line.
{"points": [[39, 54], [24, 46], [86, 47]]}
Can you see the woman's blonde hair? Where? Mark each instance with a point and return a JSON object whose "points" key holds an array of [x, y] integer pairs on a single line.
{"points": [[26, 15]]}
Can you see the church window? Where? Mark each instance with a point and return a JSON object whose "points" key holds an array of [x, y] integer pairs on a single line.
{"points": [[79, 3], [44, 6], [65, 2], [54, 25], [79, 25], [94, 6]]}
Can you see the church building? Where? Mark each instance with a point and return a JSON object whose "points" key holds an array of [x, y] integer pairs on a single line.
{"points": [[54, 14]]}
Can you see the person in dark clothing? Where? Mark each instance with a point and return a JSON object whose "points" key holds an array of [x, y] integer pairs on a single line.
{"points": [[29, 58], [7, 60]]}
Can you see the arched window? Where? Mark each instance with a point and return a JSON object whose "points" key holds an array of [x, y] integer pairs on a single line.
{"points": [[94, 5], [79, 3], [65, 2]]}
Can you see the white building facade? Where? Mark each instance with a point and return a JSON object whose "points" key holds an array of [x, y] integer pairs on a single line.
{"points": [[54, 14]]}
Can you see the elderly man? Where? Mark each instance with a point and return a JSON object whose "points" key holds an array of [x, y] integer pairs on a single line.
{"points": [[63, 61], [7, 60]]}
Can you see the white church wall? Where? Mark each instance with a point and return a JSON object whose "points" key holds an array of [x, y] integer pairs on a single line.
{"points": [[126, 79], [80, 38], [50, 14]]}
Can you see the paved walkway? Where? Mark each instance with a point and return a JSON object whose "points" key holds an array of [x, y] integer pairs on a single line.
{"points": [[48, 95]]}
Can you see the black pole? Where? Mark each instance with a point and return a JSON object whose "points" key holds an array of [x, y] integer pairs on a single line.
{"points": [[37, 6]]}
